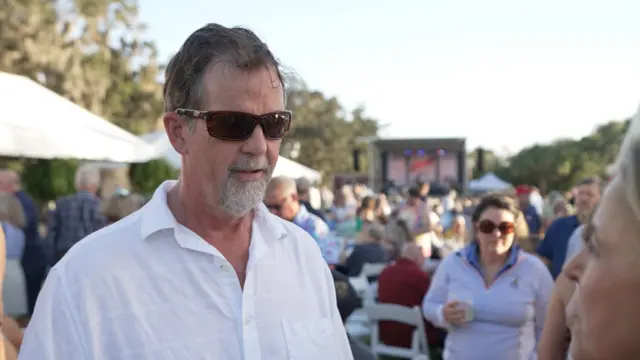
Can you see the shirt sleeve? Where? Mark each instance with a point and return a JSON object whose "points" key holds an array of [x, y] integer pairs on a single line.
{"points": [[436, 297], [545, 249], [538, 223], [53, 332], [543, 294], [96, 220], [342, 346]]}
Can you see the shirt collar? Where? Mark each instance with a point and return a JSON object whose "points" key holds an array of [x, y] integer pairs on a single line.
{"points": [[156, 216], [302, 215], [472, 255]]}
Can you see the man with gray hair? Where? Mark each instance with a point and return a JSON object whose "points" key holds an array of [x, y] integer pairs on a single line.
{"points": [[203, 270], [282, 199], [76, 216], [305, 189], [553, 248]]}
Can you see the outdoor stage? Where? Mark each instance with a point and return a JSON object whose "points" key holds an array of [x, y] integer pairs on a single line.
{"points": [[406, 161]]}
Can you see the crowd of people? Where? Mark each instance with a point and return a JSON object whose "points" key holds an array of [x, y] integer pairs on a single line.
{"points": [[230, 263]]}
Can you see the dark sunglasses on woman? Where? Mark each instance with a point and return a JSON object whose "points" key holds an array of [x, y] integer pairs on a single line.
{"points": [[238, 126], [488, 227]]}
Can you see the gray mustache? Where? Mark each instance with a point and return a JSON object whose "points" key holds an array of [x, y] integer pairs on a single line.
{"points": [[250, 165]]}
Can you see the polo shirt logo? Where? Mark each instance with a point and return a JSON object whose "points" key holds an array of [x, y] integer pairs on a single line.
{"points": [[515, 282]]}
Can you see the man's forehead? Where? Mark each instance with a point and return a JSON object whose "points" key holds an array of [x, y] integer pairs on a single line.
{"points": [[274, 191], [613, 212], [228, 86], [588, 187]]}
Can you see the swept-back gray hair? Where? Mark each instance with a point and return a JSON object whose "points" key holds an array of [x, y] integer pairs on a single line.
{"points": [[283, 183], [86, 176], [209, 45], [627, 165]]}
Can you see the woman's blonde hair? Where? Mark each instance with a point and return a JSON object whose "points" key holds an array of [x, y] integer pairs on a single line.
{"points": [[522, 234], [11, 210]]}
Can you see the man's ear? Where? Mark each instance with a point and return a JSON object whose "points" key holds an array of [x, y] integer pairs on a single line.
{"points": [[175, 126], [295, 197]]}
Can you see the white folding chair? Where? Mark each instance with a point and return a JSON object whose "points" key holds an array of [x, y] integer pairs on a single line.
{"points": [[370, 296], [404, 315], [372, 270], [359, 283]]}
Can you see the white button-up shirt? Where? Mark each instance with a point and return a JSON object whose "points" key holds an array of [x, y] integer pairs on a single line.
{"points": [[149, 288]]}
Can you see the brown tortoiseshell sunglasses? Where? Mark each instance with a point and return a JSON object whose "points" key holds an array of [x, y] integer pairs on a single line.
{"points": [[238, 126]]}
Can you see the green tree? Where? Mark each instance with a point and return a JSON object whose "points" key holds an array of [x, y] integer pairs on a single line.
{"points": [[562, 163], [491, 161], [145, 178], [49, 179], [323, 135], [91, 52]]}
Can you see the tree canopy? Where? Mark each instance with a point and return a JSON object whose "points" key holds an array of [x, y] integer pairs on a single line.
{"points": [[323, 135], [561, 164], [95, 53]]}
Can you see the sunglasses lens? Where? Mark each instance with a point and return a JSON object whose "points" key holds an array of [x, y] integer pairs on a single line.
{"points": [[276, 125], [230, 125], [506, 228], [486, 226], [489, 227]]}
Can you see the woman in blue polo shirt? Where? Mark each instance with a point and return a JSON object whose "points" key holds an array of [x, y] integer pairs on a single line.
{"points": [[491, 295]]}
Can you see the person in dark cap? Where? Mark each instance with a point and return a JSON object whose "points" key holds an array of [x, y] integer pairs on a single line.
{"points": [[348, 301], [523, 192]]}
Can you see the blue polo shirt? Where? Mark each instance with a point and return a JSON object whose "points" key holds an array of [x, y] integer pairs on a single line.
{"points": [[472, 254], [554, 245]]}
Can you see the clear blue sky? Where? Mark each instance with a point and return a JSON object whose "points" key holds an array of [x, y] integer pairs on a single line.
{"points": [[504, 74]]}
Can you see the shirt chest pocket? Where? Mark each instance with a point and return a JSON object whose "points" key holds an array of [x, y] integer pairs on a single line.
{"points": [[309, 339]]}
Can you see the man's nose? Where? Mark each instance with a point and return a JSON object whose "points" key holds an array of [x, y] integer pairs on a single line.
{"points": [[256, 144]]}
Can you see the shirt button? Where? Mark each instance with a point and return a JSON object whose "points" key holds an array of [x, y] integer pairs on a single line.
{"points": [[247, 321]]}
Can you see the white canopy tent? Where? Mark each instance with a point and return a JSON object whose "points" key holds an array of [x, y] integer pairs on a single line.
{"points": [[38, 123], [285, 167], [489, 182]]}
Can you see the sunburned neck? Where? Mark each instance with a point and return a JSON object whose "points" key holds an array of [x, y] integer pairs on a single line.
{"points": [[193, 213]]}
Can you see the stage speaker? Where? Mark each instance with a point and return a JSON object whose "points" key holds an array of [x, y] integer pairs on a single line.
{"points": [[356, 160], [384, 164], [480, 161]]}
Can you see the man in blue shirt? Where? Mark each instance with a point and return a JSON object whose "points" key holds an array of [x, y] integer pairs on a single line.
{"points": [[281, 198], [553, 248]]}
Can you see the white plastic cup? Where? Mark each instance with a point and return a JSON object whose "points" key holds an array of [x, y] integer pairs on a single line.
{"points": [[465, 298]]}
